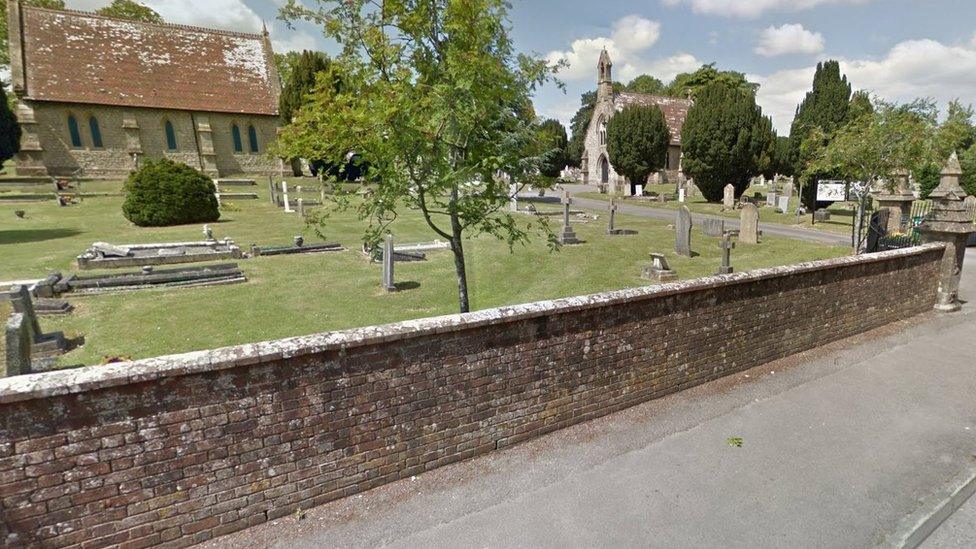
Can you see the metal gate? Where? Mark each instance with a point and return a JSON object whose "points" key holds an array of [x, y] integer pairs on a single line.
{"points": [[871, 233]]}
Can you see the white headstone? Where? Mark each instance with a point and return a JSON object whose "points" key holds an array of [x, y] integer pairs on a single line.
{"points": [[728, 197], [749, 224], [681, 195]]}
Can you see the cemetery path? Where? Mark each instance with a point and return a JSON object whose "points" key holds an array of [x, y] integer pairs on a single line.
{"points": [[839, 448], [663, 214]]}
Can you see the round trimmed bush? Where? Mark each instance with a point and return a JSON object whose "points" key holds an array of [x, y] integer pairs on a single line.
{"points": [[163, 192]]}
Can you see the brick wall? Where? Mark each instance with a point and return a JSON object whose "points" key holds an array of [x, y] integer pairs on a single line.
{"points": [[179, 449]]}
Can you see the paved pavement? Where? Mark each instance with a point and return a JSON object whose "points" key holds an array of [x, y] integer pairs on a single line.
{"points": [[840, 447], [958, 531], [663, 214]]}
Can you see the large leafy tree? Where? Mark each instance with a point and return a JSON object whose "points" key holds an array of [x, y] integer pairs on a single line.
{"points": [[637, 142], [645, 83], [723, 139], [130, 9], [968, 162], [5, 32], [304, 71], [436, 97], [553, 134], [824, 110], [691, 83], [955, 135]]}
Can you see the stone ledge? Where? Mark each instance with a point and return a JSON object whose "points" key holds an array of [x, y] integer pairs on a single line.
{"points": [[90, 378]]}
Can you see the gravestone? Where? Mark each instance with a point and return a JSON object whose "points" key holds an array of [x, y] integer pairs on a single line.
{"points": [[613, 212], [681, 195], [821, 215], [17, 346], [728, 198], [284, 197], [42, 344], [727, 246], [788, 188], [513, 197], [714, 228], [749, 224], [388, 284], [783, 203], [682, 232], [567, 236], [658, 270], [638, 190], [771, 198], [207, 233], [301, 207]]}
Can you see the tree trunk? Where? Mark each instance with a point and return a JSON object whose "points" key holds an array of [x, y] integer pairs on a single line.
{"points": [[458, 250]]}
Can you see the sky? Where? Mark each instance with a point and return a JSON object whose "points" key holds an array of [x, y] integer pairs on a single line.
{"points": [[896, 49]]}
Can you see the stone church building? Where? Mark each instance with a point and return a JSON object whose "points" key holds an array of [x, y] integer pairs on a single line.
{"points": [[596, 166], [98, 94]]}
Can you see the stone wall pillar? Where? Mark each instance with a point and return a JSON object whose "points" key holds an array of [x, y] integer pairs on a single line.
{"points": [[899, 203], [205, 144], [950, 221], [30, 159]]}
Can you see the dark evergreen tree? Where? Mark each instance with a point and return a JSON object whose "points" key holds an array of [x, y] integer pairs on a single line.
{"points": [[9, 129], [301, 81], [554, 133], [827, 106], [637, 142], [724, 136]]}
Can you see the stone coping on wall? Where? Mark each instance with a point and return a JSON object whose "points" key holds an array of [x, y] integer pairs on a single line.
{"points": [[90, 378]]}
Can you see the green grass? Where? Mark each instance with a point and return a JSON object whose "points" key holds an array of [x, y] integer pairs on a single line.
{"points": [[842, 216], [297, 295]]}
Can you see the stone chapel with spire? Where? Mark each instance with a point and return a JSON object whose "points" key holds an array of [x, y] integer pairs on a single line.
{"points": [[596, 166]]}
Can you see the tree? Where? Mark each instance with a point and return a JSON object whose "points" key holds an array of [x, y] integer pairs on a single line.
{"points": [[955, 135], [876, 145], [303, 74], [9, 129], [826, 108], [130, 9], [637, 142], [436, 98], [691, 83], [285, 63], [723, 138], [553, 134], [645, 83], [5, 32], [780, 163], [968, 162]]}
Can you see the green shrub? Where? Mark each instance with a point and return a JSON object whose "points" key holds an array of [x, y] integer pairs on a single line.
{"points": [[637, 142], [163, 192]]}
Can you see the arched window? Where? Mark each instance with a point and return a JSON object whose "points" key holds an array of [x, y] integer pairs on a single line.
{"points": [[74, 132], [235, 133], [170, 136], [603, 131], [252, 137], [96, 132]]}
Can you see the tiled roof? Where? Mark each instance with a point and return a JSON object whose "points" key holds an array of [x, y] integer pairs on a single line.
{"points": [[80, 57], [675, 110]]}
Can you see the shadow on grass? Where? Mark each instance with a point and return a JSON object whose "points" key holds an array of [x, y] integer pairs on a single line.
{"points": [[23, 236], [410, 285]]}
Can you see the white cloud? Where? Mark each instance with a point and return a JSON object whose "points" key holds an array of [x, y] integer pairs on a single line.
{"points": [[631, 37], [752, 8], [787, 39], [911, 69]]}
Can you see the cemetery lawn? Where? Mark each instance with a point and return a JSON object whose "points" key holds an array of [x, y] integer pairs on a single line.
{"points": [[304, 294], [841, 219]]}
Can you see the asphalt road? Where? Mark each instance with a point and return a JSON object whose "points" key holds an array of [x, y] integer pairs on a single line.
{"points": [[839, 447]]}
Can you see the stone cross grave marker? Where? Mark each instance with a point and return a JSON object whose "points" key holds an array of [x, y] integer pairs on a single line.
{"points": [[388, 284], [749, 224], [567, 236], [613, 213], [713, 227], [728, 198], [682, 232], [727, 246]]}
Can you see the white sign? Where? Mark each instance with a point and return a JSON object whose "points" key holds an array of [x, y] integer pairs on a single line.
{"points": [[831, 191]]}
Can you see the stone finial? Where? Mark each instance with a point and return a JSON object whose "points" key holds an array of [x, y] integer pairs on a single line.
{"points": [[949, 188]]}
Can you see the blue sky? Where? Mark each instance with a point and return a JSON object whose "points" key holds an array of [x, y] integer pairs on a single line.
{"points": [[899, 49]]}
